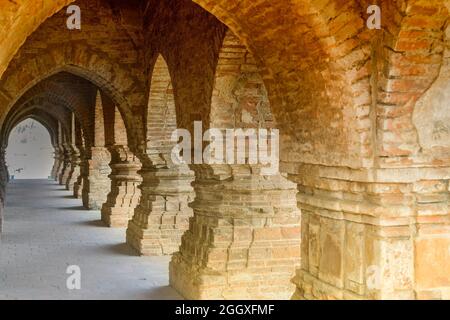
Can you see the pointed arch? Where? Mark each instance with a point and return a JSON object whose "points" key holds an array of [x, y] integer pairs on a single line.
{"points": [[160, 118], [124, 89], [30, 138], [240, 97]]}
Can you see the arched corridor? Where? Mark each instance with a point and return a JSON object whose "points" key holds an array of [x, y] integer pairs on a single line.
{"points": [[29, 154], [48, 231], [219, 149]]}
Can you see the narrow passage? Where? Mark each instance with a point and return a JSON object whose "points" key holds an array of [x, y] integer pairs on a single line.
{"points": [[46, 230]]}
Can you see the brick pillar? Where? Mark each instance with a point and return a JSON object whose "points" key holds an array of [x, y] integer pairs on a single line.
{"points": [[56, 164], [96, 184], [59, 163], [4, 178], [357, 234], [125, 193], [65, 174], [62, 166], [74, 173], [162, 216], [244, 239], [4, 175], [78, 184], [431, 236]]}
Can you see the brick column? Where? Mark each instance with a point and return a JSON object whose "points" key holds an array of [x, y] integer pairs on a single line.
{"points": [[96, 183], [56, 164], [59, 163], [431, 235], [244, 239], [162, 216], [74, 173], [65, 174], [4, 175], [358, 229], [125, 193], [63, 163], [78, 184]]}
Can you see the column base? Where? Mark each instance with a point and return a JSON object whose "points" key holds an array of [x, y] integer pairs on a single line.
{"points": [[262, 283], [115, 217], [73, 178], [125, 193], [96, 184], [162, 216], [65, 176], [243, 242], [158, 240]]}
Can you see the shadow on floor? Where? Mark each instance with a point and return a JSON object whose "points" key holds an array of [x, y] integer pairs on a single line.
{"points": [[77, 208], [161, 293], [68, 197], [123, 249], [93, 223]]}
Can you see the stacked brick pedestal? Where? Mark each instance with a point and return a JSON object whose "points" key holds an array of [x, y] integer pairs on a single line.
{"points": [[244, 239], [96, 184], [125, 193], [162, 215], [374, 234]]}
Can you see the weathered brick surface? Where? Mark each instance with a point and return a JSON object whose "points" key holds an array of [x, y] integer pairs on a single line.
{"points": [[125, 193], [161, 217], [363, 117], [244, 239], [96, 183], [125, 180]]}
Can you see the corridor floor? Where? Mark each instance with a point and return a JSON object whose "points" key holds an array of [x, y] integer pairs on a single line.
{"points": [[45, 230]]}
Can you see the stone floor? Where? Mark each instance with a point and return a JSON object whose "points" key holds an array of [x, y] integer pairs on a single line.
{"points": [[46, 230]]}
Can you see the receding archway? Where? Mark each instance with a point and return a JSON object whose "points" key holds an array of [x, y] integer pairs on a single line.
{"points": [[29, 154]]}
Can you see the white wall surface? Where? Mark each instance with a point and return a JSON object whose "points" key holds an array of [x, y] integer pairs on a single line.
{"points": [[29, 154]]}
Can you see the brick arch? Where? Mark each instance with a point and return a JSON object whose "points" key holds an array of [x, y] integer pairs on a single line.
{"points": [[314, 52], [50, 122], [321, 39], [59, 95], [18, 27], [413, 113], [47, 121], [160, 117], [315, 65], [82, 61], [239, 97], [412, 56], [54, 104], [30, 112], [115, 131], [43, 118], [59, 112]]}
